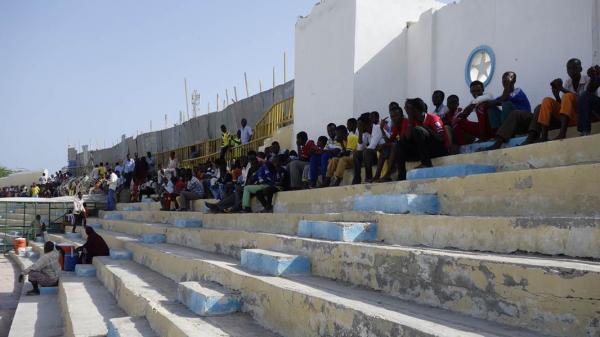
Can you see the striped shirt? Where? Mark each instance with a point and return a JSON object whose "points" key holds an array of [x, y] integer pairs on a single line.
{"points": [[47, 264]]}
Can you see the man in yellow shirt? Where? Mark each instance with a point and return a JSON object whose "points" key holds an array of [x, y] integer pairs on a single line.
{"points": [[101, 171], [35, 191], [226, 141], [346, 135]]}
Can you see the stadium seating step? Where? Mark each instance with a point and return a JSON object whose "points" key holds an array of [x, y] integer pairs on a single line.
{"points": [[208, 299], [274, 263], [338, 231]]}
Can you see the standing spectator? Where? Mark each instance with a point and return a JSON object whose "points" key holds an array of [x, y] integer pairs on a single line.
{"points": [[102, 171], [194, 191], [112, 188], [129, 166], [226, 141], [245, 132], [43, 179], [151, 164], [95, 173], [140, 174], [171, 170], [35, 191], [78, 210], [118, 169]]}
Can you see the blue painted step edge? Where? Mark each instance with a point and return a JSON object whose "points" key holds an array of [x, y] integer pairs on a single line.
{"points": [[274, 263], [206, 300], [448, 171], [398, 203], [154, 238], [338, 231]]}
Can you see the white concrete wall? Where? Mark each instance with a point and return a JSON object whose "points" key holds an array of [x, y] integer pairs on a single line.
{"points": [[535, 38], [324, 66]]}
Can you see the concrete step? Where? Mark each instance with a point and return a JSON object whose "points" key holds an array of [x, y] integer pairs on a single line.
{"points": [[130, 327], [499, 285], [575, 237], [143, 292], [86, 306], [523, 193], [36, 316], [180, 263], [448, 171], [338, 231], [208, 299], [274, 263]]}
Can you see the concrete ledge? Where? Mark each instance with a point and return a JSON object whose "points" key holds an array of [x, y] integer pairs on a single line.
{"points": [[472, 148], [208, 299], [113, 216], [338, 231], [153, 238], [448, 171], [130, 327], [73, 236], [397, 203], [188, 223], [85, 270], [120, 254], [131, 209], [48, 290], [274, 263]]}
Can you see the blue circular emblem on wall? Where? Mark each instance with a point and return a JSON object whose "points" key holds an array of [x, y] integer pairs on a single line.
{"points": [[480, 66]]}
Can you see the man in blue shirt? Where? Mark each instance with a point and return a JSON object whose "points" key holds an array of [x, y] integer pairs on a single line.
{"points": [[512, 99]]}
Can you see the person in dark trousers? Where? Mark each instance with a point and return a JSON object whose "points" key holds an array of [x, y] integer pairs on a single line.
{"points": [[365, 155], [281, 182], [589, 103], [93, 246], [45, 271], [425, 138]]}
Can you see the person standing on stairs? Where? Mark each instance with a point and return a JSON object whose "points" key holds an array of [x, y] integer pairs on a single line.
{"points": [[78, 210], [112, 189], [45, 271]]}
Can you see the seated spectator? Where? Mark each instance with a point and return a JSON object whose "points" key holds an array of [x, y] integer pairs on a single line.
{"points": [[365, 154], [169, 194], [345, 160], [94, 246], [589, 103], [466, 131], [219, 179], [45, 271], [454, 110], [399, 132], [296, 167], [320, 158], [194, 191], [560, 111], [438, 102], [281, 182], [267, 175], [425, 138]]}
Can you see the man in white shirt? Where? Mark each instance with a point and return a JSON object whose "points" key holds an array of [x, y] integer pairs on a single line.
{"points": [[43, 179], [45, 271], [78, 210], [171, 169], [113, 183], [245, 132], [128, 167]]}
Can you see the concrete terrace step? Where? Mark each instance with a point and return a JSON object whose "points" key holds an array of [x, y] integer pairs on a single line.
{"points": [[295, 306], [86, 305], [129, 327], [524, 193], [576, 237], [504, 285], [36, 316], [143, 292]]}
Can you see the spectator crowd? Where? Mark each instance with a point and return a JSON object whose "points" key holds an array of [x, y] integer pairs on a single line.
{"points": [[46, 187]]}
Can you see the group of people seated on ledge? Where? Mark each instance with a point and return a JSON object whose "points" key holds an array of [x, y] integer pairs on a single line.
{"points": [[45, 272], [410, 133]]}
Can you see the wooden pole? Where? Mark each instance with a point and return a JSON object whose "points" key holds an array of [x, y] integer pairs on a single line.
{"points": [[247, 90], [284, 67], [260, 85], [217, 102], [226, 98], [187, 104], [166, 125], [235, 93], [273, 77]]}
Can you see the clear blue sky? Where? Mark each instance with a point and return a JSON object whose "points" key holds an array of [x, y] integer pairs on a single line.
{"points": [[76, 70]]}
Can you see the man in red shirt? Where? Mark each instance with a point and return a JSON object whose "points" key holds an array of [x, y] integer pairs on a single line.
{"points": [[424, 139], [305, 149], [399, 130]]}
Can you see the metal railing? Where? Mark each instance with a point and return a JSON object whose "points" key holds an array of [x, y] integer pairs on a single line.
{"points": [[280, 115], [16, 218]]}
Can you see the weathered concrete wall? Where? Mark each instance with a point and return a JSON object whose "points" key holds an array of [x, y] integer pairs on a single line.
{"points": [[196, 129]]}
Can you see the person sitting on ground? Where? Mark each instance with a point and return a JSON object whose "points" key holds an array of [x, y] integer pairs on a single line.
{"points": [[296, 168], [265, 177], [194, 191], [425, 138], [438, 102], [589, 103], [94, 246], [319, 159], [560, 111], [364, 154], [399, 131], [281, 181], [45, 271]]}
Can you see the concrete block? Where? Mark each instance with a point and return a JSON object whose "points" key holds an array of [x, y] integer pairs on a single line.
{"points": [[85, 270], [471, 148], [447, 171], [274, 263], [39, 239], [48, 290], [130, 327], [113, 216], [188, 223], [132, 209], [120, 254], [398, 203], [154, 238], [95, 226], [208, 299], [73, 236], [338, 231]]}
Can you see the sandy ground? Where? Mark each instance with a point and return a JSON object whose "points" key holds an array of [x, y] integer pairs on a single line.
{"points": [[10, 290]]}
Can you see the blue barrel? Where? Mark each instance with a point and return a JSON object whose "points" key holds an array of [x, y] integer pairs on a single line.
{"points": [[70, 262]]}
